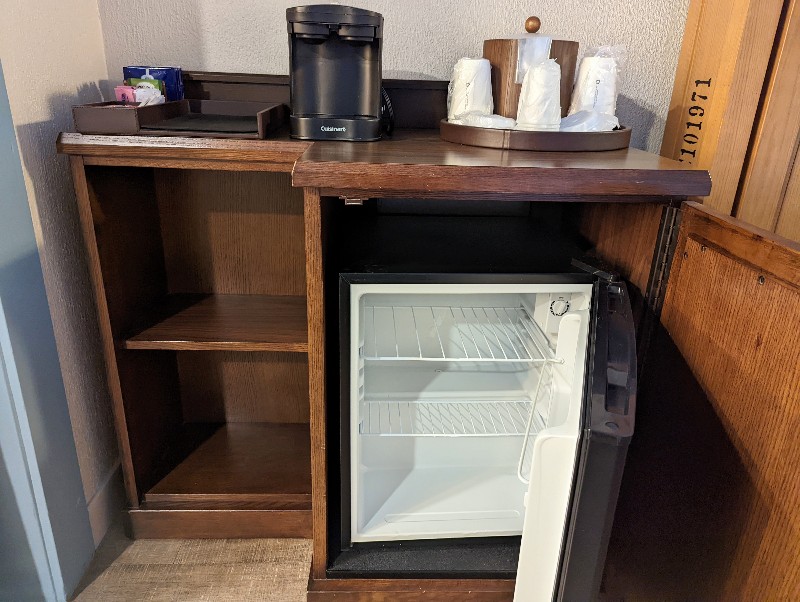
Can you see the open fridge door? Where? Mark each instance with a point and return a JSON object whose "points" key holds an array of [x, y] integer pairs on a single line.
{"points": [[574, 469]]}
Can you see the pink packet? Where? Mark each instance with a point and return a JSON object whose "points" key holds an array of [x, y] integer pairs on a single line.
{"points": [[125, 93]]}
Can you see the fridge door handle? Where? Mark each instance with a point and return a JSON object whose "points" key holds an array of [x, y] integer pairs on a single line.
{"points": [[609, 427], [614, 405]]}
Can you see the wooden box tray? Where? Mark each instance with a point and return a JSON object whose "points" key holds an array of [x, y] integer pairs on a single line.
{"points": [[535, 141], [201, 118]]}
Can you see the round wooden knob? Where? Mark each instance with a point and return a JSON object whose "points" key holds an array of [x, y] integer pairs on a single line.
{"points": [[533, 24]]}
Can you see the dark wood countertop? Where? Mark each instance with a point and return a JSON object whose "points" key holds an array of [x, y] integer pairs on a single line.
{"points": [[413, 162], [419, 161]]}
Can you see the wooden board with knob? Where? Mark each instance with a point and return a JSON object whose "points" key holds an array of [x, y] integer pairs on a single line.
{"points": [[503, 54]]}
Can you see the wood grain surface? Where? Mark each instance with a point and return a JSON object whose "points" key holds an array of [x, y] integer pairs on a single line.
{"points": [[87, 207], [789, 219], [764, 190], [231, 233], [257, 461], [314, 232], [734, 320], [235, 386], [764, 251], [121, 226], [503, 55], [191, 153], [228, 322], [412, 161], [150, 523], [418, 160], [408, 590], [625, 237], [728, 45]]}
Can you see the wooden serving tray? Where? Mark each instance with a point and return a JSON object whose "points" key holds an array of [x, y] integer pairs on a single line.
{"points": [[188, 117], [535, 141]]}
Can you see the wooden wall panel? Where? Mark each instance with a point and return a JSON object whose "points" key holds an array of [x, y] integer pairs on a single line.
{"points": [[764, 193], [789, 218], [726, 49], [735, 323], [232, 232], [230, 386]]}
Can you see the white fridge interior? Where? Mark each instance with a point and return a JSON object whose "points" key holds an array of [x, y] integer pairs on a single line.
{"points": [[465, 412]]}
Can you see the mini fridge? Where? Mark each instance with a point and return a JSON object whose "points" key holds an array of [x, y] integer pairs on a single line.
{"points": [[484, 415]]}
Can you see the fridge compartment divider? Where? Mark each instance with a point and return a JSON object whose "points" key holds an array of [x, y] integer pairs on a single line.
{"points": [[476, 334], [447, 418]]}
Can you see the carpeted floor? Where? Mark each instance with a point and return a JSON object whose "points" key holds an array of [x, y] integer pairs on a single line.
{"points": [[208, 570]]}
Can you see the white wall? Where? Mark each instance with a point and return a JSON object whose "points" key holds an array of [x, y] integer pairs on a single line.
{"points": [[423, 38], [53, 57]]}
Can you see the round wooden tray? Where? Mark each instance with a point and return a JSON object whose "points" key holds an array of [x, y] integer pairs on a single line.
{"points": [[535, 141]]}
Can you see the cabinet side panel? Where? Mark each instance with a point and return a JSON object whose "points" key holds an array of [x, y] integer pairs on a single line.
{"points": [[124, 219], [87, 204], [231, 232], [733, 318], [625, 236]]}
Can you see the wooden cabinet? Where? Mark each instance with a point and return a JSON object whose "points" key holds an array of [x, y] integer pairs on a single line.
{"points": [[214, 266], [199, 275]]}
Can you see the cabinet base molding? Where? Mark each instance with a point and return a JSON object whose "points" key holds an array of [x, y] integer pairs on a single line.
{"points": [[146, 523], [408, 590]]}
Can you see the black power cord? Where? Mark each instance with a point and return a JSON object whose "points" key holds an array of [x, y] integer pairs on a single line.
{"points": [[387, 113]]}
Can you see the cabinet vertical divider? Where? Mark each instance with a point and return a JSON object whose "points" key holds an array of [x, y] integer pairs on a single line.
{"points": [[313, 219]]}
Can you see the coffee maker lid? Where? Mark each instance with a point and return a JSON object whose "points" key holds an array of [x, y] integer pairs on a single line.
{"points": [[333, 14]]}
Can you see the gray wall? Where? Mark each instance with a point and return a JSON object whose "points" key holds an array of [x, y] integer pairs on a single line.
{"points": [[40, 461], [423, 39]]}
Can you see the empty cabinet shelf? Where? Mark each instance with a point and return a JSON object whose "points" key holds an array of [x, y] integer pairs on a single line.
{"points": [[225, 322], [479, 334]]}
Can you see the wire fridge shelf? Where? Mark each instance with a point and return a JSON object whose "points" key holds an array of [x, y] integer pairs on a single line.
{"points": [[445, 418], [478, 334]]}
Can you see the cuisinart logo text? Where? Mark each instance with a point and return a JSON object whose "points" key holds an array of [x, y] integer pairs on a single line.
{"points": [[327, 128]]}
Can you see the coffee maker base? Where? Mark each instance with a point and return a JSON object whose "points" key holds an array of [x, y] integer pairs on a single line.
{"points": [[361, 129]]}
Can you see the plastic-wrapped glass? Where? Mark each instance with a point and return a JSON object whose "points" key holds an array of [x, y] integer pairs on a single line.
{"points": [[540, 98], [597, 84], [470, 89]]}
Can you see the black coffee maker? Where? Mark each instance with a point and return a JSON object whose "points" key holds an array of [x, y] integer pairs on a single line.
{"points": [[335, 72]]}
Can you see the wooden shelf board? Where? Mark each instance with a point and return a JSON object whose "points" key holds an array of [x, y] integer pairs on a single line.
{"points": [[276, 154], [242, 466], [226, 322]]}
